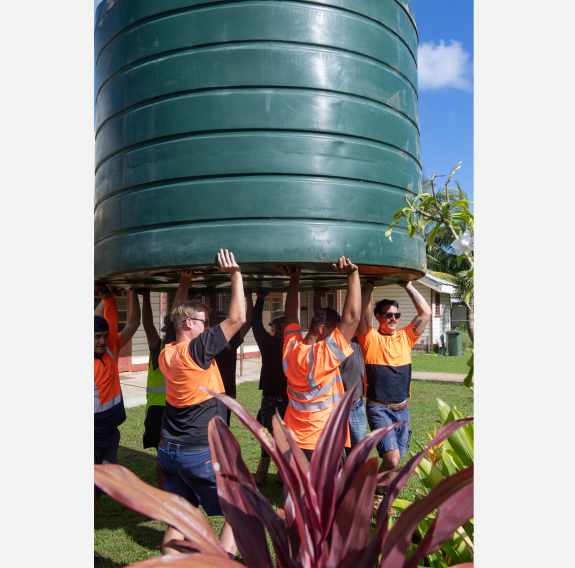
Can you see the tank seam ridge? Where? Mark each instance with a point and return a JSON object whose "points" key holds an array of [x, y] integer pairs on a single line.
{"points": [[167, 14], [190, 135], [411, 19], [156, 226], [161, 98], [174, 181], [206, 46]]}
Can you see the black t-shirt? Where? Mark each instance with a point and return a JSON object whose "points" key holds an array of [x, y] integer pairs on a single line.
{"points": [[273, 381], [353, 369], [188, 425], [227, 362]]}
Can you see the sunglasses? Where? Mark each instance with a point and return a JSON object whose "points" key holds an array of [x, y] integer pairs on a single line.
{"points": [[390, 315], [205, 322]]}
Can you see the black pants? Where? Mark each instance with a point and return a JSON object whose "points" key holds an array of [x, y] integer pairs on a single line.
{"points": [[308, 454], [268, 410]]}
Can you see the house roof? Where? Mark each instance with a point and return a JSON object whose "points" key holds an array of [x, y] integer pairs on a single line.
{"points": [[437, 284]]}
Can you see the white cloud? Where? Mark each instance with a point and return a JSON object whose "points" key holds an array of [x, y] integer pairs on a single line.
{"points": [[444, 66]]}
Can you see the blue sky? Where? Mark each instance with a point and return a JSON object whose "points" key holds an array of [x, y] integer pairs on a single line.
{"points": [[445, 86], [445, 30]]}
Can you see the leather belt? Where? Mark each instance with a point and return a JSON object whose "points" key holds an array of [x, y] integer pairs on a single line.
{"points": [[391, 406], [276, 398], [357, 405], [182, 448]]}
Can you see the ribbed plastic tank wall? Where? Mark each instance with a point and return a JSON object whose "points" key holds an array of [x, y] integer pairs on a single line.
{"points": [[285, 131]]}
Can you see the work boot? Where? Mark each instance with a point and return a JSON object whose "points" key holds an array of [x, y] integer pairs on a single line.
{"points": [[377, 500], [262, 471]]}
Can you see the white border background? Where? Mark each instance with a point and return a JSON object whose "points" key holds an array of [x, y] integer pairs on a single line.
{"points": [[524, 303]]}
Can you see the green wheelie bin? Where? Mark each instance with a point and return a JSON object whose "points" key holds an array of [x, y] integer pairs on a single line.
{"points": [[454, 342]]}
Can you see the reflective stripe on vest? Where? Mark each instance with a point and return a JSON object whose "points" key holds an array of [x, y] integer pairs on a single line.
{"points": [[285, 363], [316, 391], [107, 405], [314, 406], [335, 349]]}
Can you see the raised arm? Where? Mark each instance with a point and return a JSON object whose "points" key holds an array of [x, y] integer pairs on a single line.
{"points": [[420, 321], [260, 334], [211, 295], [316, 301], [368, 288], [249, 308], [186, 276], [134, 321], [106, 294], [352, 307], [148, 320], [237, 313], [292, 294]]}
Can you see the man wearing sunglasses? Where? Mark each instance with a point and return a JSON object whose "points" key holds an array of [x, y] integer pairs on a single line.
{"points": [[188, 361], [387, 355]]}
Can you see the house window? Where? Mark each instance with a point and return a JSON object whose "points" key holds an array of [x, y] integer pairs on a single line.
{"points": [[276, 302], [197, 298], [122, 303], [437, 305], [327, 300]]}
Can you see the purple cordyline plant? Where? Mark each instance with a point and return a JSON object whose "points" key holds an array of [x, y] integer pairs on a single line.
{"points": [[326, 519]]}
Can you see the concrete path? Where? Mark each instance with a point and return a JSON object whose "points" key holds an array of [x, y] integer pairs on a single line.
{"points": [[134, 384]]}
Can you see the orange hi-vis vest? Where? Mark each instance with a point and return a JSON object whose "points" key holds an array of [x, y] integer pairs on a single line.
{"points": [[314, 383], [107, 389], [183, 376]]}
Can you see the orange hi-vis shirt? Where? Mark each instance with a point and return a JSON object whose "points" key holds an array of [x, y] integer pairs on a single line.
{"points": [[107, 389], [314, 383], [183, 375], [387, 364]]}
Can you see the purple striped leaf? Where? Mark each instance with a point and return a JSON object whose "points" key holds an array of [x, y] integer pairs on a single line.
{"points": [[357, 457], [274, 523], [299, 465], [231, 471], [326, 458], [127, 488], [454, 512], [290, 477], [373, 548], [188, 561], [352, 521], [456, 491]]}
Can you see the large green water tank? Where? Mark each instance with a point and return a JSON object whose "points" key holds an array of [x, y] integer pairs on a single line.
{"points": [[284, 131]]}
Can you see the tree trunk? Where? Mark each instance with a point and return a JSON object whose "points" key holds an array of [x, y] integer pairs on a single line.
{"points": [[470, 321]]}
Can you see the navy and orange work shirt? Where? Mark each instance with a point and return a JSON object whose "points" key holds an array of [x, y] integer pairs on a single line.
{"points": [[387, 364], [314, 383]]}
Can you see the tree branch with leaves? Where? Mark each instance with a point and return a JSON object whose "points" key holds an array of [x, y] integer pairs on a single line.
{"points": [[446, 214]]}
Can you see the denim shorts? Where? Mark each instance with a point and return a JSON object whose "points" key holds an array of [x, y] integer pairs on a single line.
{"points": [[190, 475], [357, 426], [398, 438]]}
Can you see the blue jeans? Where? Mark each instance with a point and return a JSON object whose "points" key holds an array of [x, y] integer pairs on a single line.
{"points": [[398, 438], [190, 475], [357, 426]]}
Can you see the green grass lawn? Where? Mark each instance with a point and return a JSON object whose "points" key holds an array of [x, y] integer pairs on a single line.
{"points": [[433, 363], [124, 537]]}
